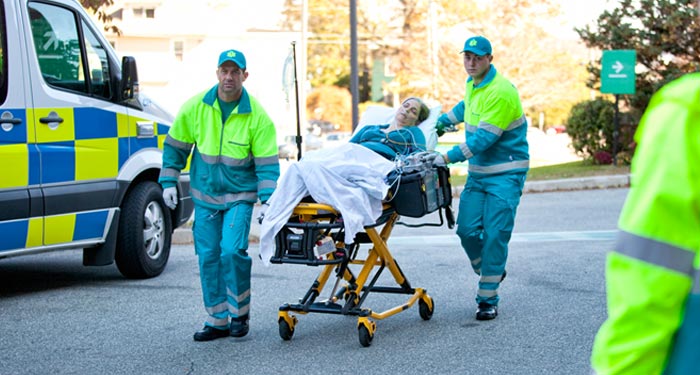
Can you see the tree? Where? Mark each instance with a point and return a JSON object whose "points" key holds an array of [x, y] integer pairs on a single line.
{"points": [[665, 34], [409, 36], [98, 8]]}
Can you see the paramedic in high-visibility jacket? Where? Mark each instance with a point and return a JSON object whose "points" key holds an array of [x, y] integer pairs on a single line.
{"points": [[652, 277], [497, 149], [234, 163]]}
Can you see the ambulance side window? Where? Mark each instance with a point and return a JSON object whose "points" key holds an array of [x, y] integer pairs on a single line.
{"points": [[98, 65], [61, 51], [57, 48]]}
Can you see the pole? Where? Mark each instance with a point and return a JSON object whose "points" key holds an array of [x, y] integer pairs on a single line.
{"points": [[616, 128], [354, 80], [296, 93]]}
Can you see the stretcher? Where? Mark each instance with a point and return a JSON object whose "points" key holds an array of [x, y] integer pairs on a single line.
{"points": [[314, 235]]}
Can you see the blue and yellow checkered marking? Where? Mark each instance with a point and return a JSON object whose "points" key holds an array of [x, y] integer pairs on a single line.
{"points": [[14, 234], [53, 230], [89, 144]]}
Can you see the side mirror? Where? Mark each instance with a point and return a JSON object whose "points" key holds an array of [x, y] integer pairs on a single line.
{"points": [[130, 78]]}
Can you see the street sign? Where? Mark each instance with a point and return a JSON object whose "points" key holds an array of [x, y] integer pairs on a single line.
{"points": [[617, 74]]}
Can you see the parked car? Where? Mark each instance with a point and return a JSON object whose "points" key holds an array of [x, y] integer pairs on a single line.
{"points": [[556, 129]]}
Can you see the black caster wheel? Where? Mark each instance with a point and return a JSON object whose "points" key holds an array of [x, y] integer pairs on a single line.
{"points": [[365, 336], [426, 310], [286, 332]]}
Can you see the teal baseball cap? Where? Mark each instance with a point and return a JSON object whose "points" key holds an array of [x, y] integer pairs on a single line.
{"points": [[232, 55], [477, 45]]}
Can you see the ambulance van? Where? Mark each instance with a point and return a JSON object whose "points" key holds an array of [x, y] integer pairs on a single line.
{"points": [[80, 148]]}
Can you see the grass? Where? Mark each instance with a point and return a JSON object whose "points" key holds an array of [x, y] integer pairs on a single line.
{"points": [[566, 170]]}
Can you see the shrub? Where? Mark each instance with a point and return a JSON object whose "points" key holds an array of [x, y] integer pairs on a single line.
{"points": [[591, 126]]}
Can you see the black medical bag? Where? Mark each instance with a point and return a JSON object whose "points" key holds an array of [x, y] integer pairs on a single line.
{"points": [[417, 193]]}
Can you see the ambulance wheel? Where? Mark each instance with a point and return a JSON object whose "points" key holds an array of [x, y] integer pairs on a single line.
{"points": [[286, 332], [145, 230], [425, 310], [365, 335]]}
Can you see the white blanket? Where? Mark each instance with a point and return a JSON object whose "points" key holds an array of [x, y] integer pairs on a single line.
{"points": [[350, 178]]}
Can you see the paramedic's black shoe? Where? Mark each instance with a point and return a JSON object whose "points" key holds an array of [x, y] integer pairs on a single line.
{"points": [[210, 333], [239, 326], [503, 277], [486, 311]]}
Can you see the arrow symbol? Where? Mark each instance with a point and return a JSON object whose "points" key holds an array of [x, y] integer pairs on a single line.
{"points": [[618, 67], [51, 40]]}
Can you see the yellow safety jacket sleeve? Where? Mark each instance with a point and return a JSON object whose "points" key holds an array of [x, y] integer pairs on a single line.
{"points": [[648, 274]]}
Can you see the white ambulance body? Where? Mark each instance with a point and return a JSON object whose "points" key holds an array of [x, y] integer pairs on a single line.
{"points": [[80, 148]]}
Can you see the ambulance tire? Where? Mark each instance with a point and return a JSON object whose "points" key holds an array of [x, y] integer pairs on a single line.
{"points": [[145, 232]]}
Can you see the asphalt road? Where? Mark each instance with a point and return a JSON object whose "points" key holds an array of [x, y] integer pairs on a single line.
{"points": [[61, 318]]}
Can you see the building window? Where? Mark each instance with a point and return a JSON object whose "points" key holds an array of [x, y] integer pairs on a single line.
{"points": [[178, 49], [144, 12]]}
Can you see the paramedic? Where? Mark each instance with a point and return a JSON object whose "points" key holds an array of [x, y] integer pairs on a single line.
{"points": [[234, 163], [497, 150], [653, 287], [402, 136]]}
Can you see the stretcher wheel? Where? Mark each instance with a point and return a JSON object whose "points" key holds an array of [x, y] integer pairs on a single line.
{"points": [[425, 309], [365, 336], [286, 332]]}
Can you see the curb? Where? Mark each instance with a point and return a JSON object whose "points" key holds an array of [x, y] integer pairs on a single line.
{"points": [[183, 235]]}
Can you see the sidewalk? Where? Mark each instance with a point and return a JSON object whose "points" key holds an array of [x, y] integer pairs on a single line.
{"points": [[183, 235]]}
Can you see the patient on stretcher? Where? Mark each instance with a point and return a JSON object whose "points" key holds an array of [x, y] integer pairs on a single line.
{"points": [[350, 178]]}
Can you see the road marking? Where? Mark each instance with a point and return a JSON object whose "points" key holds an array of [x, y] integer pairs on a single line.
{"points": [[452, 239]]}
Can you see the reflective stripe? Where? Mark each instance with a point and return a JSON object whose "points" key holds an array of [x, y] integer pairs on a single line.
{"points": [[240, 297], [268, 160], [655, 252], [470, 128], [226, 198], [239, 312], [491, 279], [217, 309], [267, 184], [487, 293], [169, 172], [465, 150], [517, 123], [498, 168], [178, 144], [226, 160], [453, 118], [491, 128], [476, 261], [217, 322]]}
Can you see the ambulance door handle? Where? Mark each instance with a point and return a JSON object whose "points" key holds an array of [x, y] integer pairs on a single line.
{"points": [[52, 120], [7, 121]]}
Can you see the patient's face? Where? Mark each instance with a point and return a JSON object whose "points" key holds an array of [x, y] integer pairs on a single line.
{"points": [[407, 114]]}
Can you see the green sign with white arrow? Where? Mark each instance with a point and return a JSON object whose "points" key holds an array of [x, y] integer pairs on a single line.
{"points": [[617, 74]]}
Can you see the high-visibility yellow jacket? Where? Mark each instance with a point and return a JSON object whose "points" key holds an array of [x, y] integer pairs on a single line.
{"points": [[649, 272], [232, 161]]}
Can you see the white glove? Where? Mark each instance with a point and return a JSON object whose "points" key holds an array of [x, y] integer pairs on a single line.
{"points": [[439, 161], [170, 197], [261, 212]]}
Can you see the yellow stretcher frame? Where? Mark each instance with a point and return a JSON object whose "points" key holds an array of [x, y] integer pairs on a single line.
{"points": [[310, 221]]}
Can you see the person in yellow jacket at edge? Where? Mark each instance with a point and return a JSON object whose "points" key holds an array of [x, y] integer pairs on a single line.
{"points": [[234, 163], [652, 276]]}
